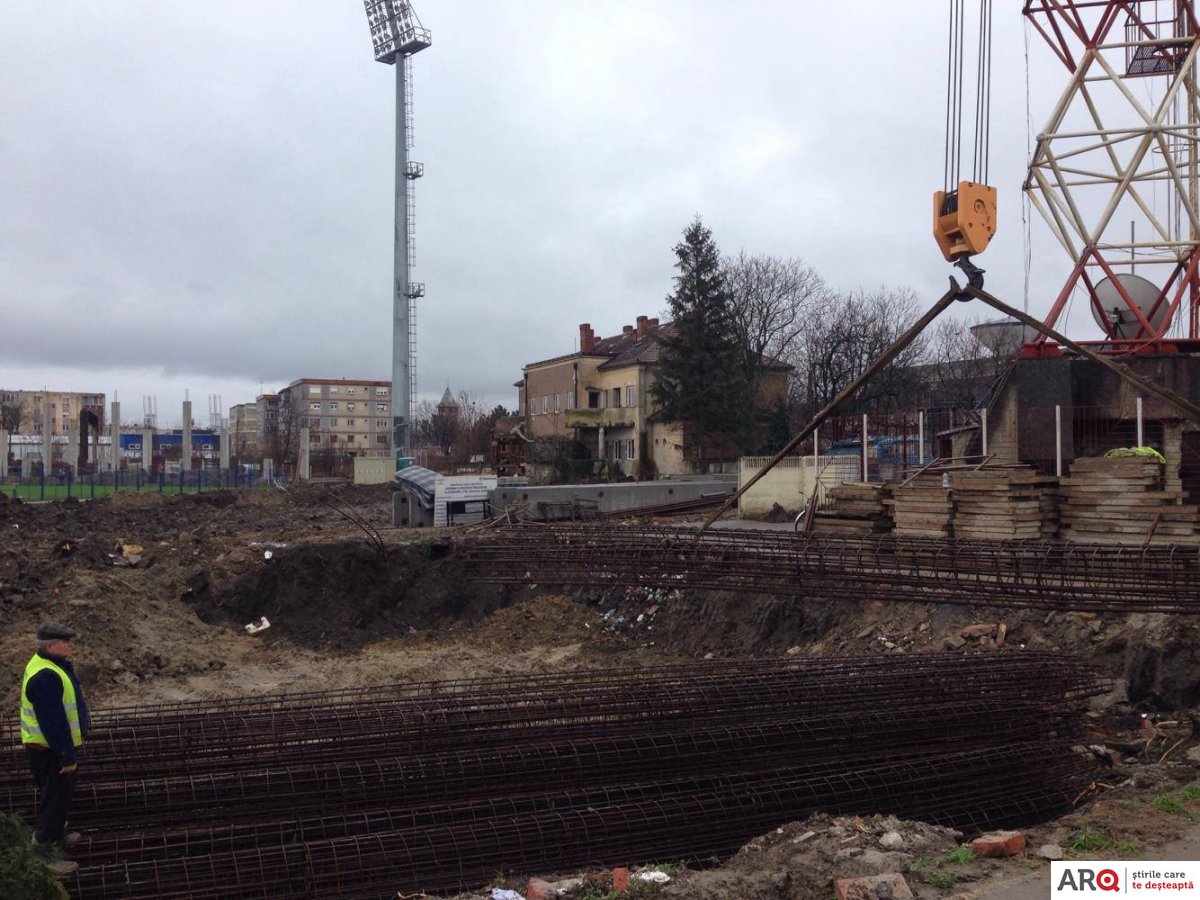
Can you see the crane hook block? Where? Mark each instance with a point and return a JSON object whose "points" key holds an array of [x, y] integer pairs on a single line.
{"points": [[964, 221]]}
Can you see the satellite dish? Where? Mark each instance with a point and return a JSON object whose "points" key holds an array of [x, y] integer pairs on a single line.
{"points": [[1117, 319]]}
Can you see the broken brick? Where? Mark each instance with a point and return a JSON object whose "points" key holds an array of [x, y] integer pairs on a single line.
{"points": [[537, 889], [998, 843], [985, 629], [620, 879]]}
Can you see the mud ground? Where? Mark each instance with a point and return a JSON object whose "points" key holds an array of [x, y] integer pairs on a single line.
{"points": [[161, 588]]}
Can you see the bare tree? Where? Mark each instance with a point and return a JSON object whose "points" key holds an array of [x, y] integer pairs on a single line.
{"points": [[283, 431], [968, 359], [10, 416], [837, 346], [773, 300]]}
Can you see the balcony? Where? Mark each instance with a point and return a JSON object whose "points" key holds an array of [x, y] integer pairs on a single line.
{"points": [[621, 417]]}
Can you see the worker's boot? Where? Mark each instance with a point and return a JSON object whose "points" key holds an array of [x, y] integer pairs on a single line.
{"points": [[51, 854], [61, 868]]}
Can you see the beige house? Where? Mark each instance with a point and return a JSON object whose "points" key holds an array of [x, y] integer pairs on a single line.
{"points": [[26, 409], [343, 415], [600, 396]]}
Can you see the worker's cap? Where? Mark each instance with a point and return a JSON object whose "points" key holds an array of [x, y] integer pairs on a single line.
{"points": [[52, 631]]}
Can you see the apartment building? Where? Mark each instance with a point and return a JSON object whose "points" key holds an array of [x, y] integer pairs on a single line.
{"points": [[22, 412], [343, 415], [243, 431]]}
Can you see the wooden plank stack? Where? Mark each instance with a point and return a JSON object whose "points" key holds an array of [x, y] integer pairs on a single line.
{"points": [[855, 508], [1121, 501], [1010, 503], [922, 507]]}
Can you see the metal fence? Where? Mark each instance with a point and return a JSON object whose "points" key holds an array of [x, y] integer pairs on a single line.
{"points": [[38, 486]]}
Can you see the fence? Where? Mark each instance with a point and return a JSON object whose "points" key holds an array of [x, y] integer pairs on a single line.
{"points": [[39, 486]]}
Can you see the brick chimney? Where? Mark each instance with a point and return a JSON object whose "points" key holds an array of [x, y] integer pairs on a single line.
{"points": [[587, 339], [642, 326], [626, 329]]}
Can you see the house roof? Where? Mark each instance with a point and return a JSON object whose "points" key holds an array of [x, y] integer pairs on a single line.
{"points": [[447, 398]]}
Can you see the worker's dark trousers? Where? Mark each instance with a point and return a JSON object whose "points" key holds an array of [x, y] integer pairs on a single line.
{"points": [[54, 795]]}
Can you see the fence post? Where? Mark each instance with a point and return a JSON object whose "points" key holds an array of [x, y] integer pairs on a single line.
{"points": [[866, 470], [1058, 441], [162, 481], [92, 484], [921, 436], [1139, 422], [983, 426], [43, 483]]}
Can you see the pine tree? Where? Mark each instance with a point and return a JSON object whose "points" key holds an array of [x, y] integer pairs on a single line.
{"points": [[700, 381]]}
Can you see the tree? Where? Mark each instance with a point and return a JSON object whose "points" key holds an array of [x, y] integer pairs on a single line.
{"points": [[773, 299], [968, 360], [700, 379], [10, 415], [838, 346]]}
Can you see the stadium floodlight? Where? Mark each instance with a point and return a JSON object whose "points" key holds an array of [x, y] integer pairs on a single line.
{"points": [[395, 29]]}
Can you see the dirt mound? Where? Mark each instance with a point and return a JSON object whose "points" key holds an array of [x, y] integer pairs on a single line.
{"points": [[343, 594]]}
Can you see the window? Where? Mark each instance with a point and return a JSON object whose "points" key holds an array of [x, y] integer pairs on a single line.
{"points": [[532, 406], [333, 423], [316, 406], [545, 404], [381, 407], [381, 392], [351, 390], [350, 439], [333, 405], [349, 406], [314, 389], [629, 449], [604, 399], [556, 399], [617, 447], [593, 399], [382, 439], [381, 423], [629, 395], [333, 389], [349, 423], [616, 397], [571, 400]]}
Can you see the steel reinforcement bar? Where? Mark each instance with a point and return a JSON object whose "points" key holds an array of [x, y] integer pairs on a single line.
{"points": [[1032, 574]]}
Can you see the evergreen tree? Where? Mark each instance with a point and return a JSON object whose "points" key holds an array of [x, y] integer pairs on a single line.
{"points": [[699, 378]]}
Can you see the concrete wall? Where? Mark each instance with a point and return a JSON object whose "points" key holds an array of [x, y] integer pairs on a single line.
{"points": [[789, 484], [612, 497], [374, 470]]}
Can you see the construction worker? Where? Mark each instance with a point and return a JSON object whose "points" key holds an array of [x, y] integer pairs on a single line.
{"points": [[54, 723]]}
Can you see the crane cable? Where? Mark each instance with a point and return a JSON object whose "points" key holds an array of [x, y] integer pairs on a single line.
{"points": [[955, 60]]}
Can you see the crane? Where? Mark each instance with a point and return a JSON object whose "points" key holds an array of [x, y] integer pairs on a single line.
{"points": [[964, 210]]}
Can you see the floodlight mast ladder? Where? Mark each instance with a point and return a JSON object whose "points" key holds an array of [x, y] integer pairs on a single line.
{"points": [[397, 34], [1120, 146]]}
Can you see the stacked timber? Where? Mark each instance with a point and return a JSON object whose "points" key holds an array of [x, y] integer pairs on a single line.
{"points": [[922, 507], [1009, 503], [1121, 501], [855, 508]]}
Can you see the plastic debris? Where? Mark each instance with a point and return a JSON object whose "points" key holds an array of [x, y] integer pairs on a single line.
{"points": [[262, 625], [505, 894], [653, 876]]}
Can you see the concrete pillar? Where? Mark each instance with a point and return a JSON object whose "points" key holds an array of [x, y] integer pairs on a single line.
{"points": [[73, 446], [225, 449], [302, 462], [114, 447], [47, 439], [185, 461], [147, 450], [3, 453]]}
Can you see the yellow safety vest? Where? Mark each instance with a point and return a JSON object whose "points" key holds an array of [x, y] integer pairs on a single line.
{"points": [[31, 732]]}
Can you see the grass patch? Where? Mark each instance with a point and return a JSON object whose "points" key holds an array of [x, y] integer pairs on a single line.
{"points": [[921, 863], [1032, 865], [1177, 803], [959, 856], [943, 880]]}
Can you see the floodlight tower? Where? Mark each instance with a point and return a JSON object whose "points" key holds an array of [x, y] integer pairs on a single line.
{"points": [[1123, 145], [396, 34]]}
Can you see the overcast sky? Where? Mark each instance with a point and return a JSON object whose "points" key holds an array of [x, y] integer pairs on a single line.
{"points": [[198, 196]]}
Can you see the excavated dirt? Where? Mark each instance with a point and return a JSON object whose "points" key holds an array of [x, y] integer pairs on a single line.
{"points": [[161, 588]]}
